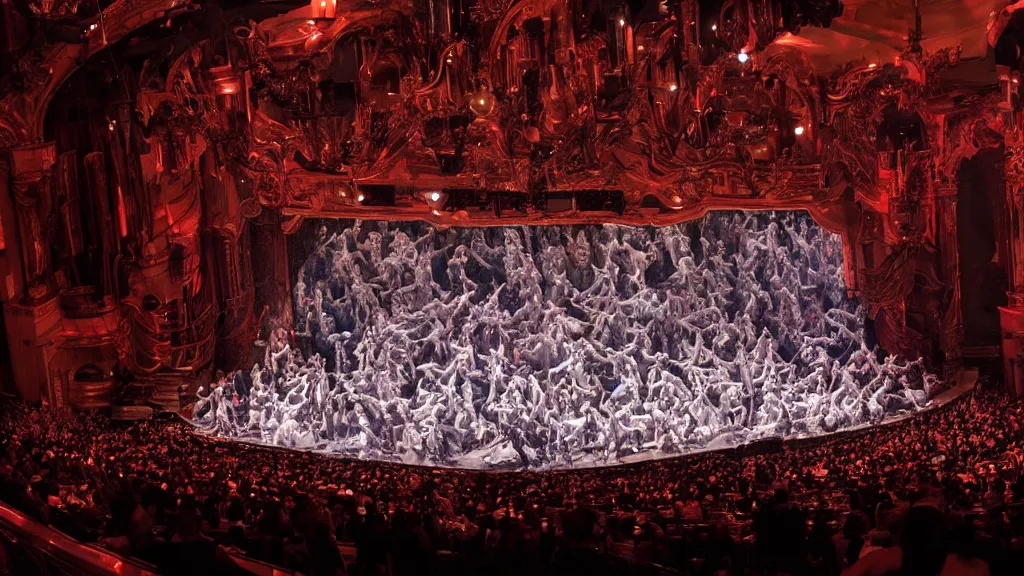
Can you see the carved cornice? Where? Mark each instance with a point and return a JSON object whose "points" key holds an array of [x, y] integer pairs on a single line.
{"points": [[674, 138]]}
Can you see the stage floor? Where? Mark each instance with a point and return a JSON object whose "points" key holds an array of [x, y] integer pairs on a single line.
{"points": [[965, 382]]}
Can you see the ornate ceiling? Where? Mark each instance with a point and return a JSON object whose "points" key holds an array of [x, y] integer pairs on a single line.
{"points": [[490, 110], [654, 111]]}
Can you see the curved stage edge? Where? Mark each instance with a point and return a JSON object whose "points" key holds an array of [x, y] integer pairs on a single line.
{"points": [[964, 382]]}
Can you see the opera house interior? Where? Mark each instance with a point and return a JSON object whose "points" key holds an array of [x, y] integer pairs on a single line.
{"points": [[411, 287]]}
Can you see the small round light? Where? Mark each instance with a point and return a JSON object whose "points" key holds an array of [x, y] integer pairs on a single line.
{"points": [[673, 88], [622, 22], [799, 130], [92, 26], [360, 198], [743, 57], [872, 65], [435, 196], [714, 27], [481, 102], [640, 48]]}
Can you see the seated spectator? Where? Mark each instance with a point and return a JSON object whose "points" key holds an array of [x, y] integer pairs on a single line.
{"points": [[923, 551], [578, 554], [691, 513], [236, 524]]}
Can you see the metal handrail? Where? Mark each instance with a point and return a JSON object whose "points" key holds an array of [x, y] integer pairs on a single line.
{"points": [[46, 539]]}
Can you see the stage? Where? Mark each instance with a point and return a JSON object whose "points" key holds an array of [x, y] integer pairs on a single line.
{"points": [[964, 383], [558, 347]]}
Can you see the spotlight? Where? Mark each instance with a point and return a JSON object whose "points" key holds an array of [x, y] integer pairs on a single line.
{"points": [[360, 198], [799, 130], [872, 65], [743, 57], [714, 27], [438, 200], [673, 88], [482, 102], [622, 22]]}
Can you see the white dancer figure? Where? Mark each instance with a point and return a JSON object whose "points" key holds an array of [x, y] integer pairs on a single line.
{"points": [[537, 346]]}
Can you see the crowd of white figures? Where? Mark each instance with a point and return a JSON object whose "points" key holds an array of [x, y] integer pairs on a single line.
{"points": [[559, 346]]}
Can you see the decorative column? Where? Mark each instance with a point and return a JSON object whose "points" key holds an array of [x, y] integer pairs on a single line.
{"points": [[33, 319], [224, 214], [907, 227], [10, 253], [1011, 317], [272, 279], [949, 256], [230, 264], [33, 197]]}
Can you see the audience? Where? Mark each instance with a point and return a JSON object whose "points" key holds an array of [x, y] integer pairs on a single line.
{"points": [[936, 494]]}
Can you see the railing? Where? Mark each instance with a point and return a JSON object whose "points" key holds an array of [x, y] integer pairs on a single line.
{"points": [[38, 549], [29, 548]]}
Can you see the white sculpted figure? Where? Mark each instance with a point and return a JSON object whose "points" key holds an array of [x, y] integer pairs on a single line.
{"points": [[548, 346]]}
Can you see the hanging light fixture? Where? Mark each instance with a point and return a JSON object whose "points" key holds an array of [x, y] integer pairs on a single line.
{"points": [[481, 100]]}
